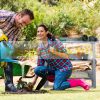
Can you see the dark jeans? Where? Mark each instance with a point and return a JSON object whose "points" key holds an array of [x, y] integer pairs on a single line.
{"points": [[60, 82], [8, 73]]}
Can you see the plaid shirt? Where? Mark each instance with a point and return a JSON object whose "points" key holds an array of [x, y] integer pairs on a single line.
{"points": [[53, 61], [7, 24]]}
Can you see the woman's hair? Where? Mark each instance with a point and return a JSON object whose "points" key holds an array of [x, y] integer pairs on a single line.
{"points": [[49, 35]]}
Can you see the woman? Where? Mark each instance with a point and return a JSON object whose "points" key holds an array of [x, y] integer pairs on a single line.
{"points": [[53, 62]]}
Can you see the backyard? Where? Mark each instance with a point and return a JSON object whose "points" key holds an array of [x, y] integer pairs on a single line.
{"points": [[72, 20], [68, 94]]}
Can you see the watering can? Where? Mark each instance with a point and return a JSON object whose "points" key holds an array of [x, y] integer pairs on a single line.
{"points": [[6, 49]]}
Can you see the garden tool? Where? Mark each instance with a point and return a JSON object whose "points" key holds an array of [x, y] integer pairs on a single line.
{"points": [[41, 83], [2, 38], [6, 49]]}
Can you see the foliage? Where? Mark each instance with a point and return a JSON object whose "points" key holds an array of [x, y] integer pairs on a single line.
{"points": [[66, 15], [12, 5]]}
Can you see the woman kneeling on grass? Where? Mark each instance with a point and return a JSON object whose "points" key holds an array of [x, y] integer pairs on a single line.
{"points": [[58, 67]]}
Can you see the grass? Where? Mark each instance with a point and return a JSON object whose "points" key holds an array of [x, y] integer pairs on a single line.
{"points": [[69, 94]]}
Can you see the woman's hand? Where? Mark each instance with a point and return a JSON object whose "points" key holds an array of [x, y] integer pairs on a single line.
{"points": [[34, 80], [52, 50], [29, 86]]}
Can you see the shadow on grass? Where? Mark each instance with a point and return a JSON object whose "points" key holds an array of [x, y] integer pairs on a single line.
{"points": [[75, 91]]}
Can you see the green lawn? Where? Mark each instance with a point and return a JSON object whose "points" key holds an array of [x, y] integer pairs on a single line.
{"points": [[69, 94]]}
